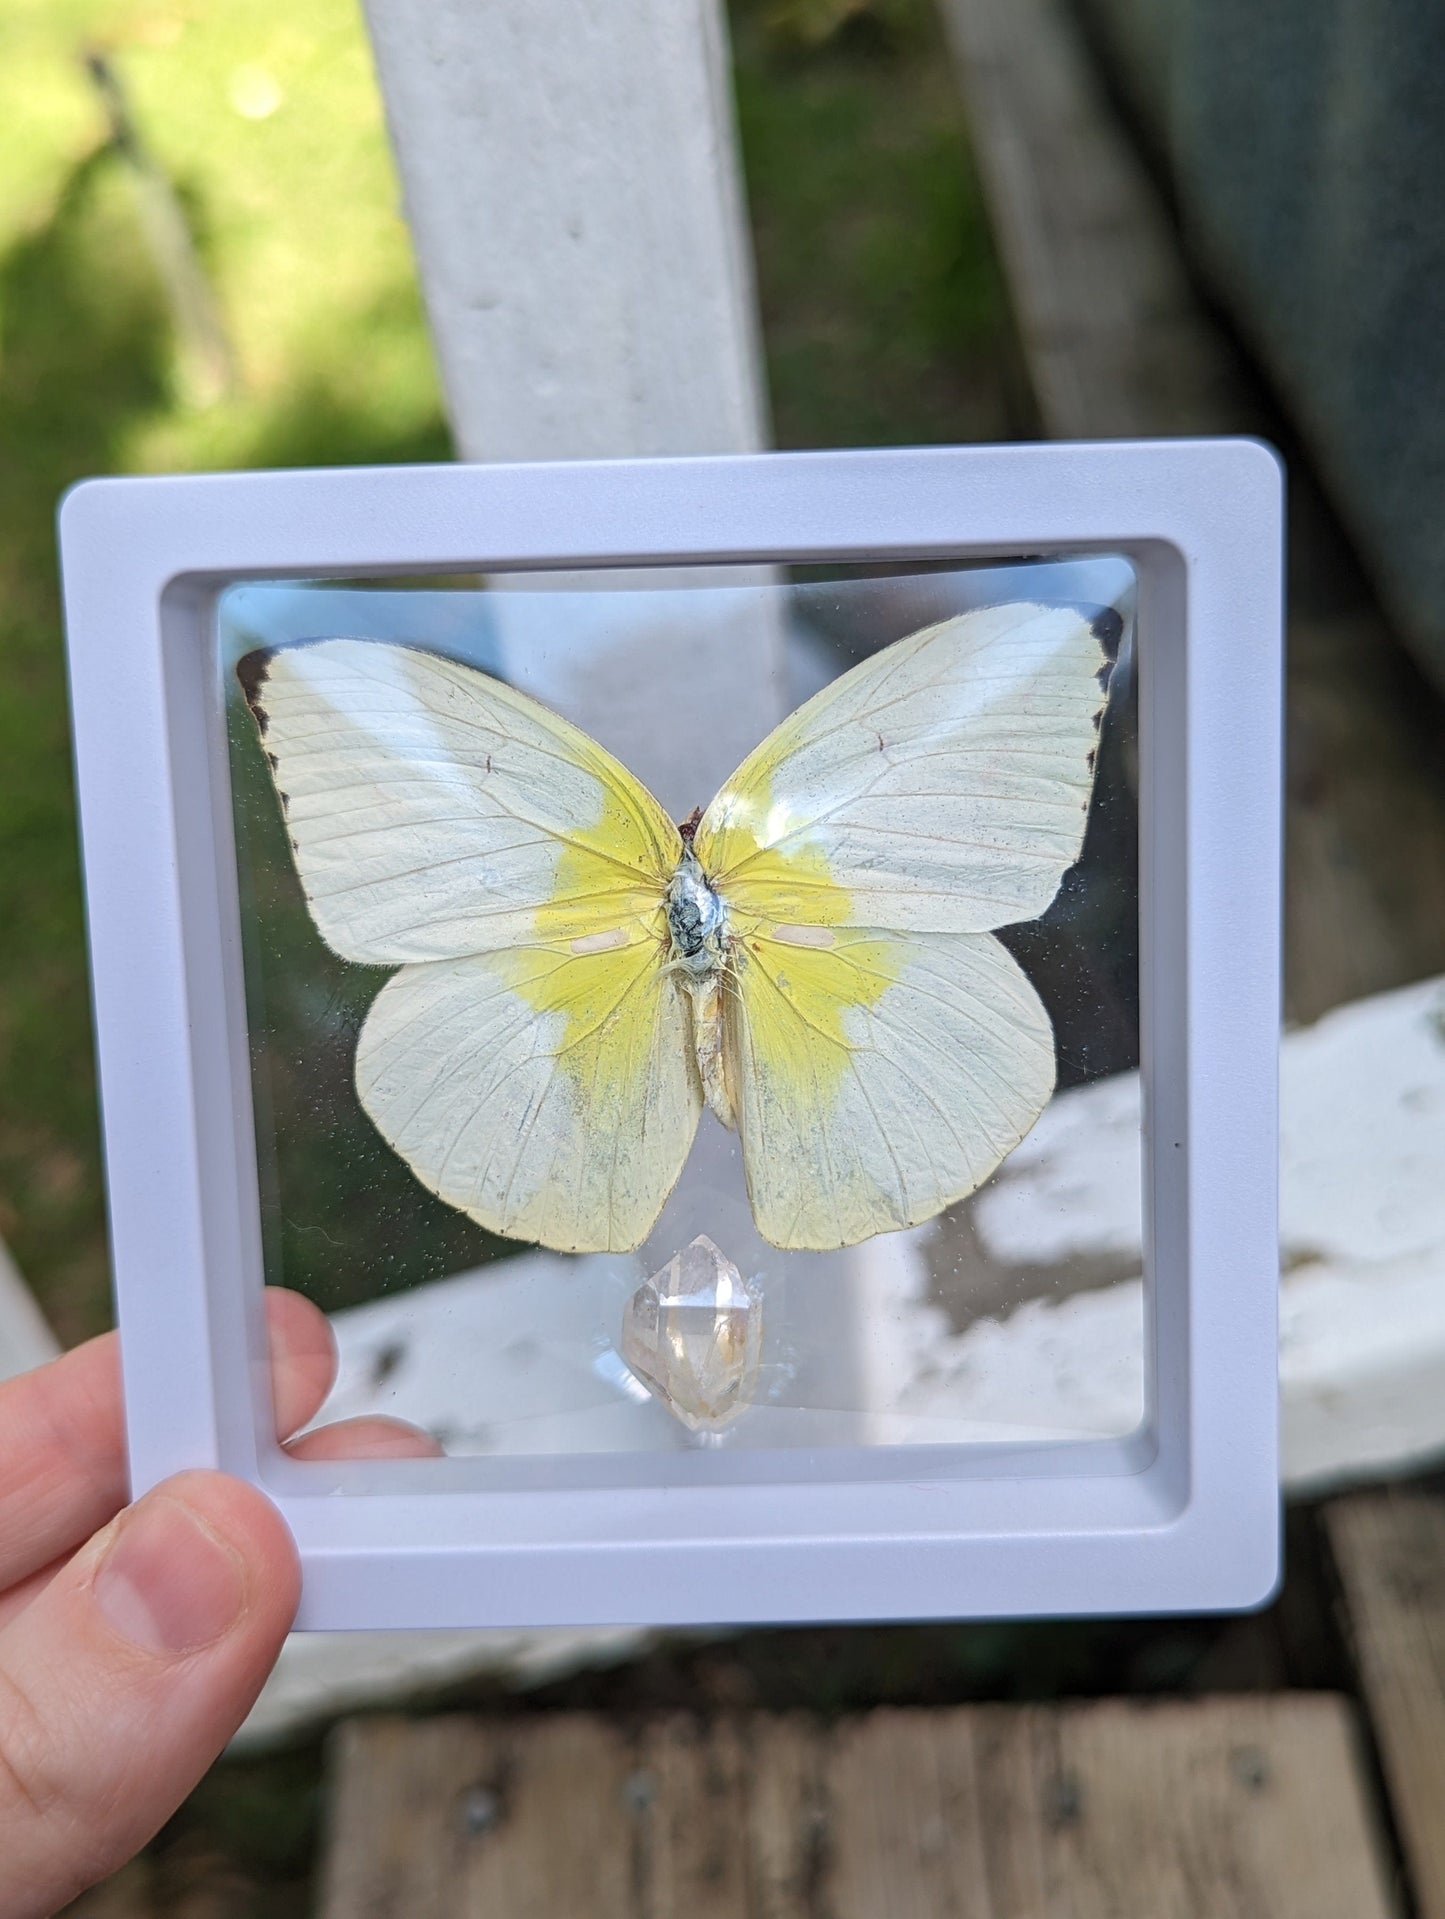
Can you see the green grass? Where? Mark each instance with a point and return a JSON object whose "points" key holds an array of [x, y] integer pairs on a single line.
{"points": [[296, 222], [883, 314]]}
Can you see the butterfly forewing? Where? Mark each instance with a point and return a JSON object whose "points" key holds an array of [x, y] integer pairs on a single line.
{"points": [[434, 811], [942, 784]]}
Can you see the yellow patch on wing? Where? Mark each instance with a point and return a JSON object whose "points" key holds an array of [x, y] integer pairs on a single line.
{"points": [[550, 1095], [880, 1079], [780, 886], [799, 964], [601, 931], [799, 1004], [611, 873], [590, 990]]}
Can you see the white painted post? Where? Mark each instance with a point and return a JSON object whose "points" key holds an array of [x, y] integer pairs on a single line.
{"points": [[571, 181]]}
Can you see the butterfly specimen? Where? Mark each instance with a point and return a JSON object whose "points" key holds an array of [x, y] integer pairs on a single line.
{"points": [[812, 956]]}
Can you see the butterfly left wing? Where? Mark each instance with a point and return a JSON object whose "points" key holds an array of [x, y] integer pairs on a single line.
{"points": [[531, 1061], [882, 1052], [877, 1077]]}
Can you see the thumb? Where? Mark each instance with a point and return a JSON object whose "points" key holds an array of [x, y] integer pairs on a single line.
{"points": [[124, 1677]]}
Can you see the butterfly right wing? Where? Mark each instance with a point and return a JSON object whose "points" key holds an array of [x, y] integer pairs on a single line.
{"points": [[531, 1061]]}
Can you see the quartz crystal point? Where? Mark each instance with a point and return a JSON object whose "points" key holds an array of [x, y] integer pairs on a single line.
{"points": [[693, 1334]]}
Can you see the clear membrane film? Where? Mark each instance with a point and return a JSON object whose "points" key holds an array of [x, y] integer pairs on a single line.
{"points": [[1016, 1314]]}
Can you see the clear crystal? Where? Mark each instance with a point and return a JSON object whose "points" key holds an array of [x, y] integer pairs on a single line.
{"points": [[693, 1334]]}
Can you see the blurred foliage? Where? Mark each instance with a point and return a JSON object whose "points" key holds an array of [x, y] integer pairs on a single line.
{"points": [[811, 24], [257, 159], [267, 122], [885, 320]]}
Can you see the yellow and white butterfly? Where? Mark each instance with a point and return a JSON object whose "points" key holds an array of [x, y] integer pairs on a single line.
{"points": [[812, 956]]}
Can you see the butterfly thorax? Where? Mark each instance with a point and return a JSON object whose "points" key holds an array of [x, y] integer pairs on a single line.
{"points": [[696, 918], [697, 921]]}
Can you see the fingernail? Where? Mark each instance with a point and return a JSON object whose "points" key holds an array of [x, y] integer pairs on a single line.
{"points": [[167, 1583]]}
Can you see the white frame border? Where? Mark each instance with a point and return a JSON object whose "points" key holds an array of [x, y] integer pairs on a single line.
{"points": [[1187, 1521]]}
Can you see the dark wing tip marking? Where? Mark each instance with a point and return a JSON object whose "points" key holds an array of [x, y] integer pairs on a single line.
{"points": [[252, 670]]}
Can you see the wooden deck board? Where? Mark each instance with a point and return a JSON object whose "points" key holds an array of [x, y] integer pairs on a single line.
{"points": [[461, 1815], [690, 1804], [1254, 1806], [1390, 1553]]}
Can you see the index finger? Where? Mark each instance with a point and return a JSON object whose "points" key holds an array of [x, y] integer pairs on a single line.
{"points": [[62, 1433]]}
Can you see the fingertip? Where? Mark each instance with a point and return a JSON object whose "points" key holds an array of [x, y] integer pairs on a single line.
{"points": [[303, 1358], [372, 1437], [128, 1670], [245, 1521]]}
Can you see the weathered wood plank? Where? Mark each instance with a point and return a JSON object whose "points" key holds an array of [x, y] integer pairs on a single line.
{"points": [[690, 1793], [787, 1834], [1389, 1549], [1250, 1805], [461, 1815], [912, 1807], [1184, 1811]]}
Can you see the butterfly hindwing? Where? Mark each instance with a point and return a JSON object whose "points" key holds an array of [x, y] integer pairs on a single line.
{"points": [[880, 1078], [551, 1095]]}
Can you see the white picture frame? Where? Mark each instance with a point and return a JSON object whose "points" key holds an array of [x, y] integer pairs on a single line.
{"points": [[1182, 1516]]}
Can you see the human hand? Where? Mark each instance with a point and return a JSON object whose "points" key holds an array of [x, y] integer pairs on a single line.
{"points": [[132, 1647]]}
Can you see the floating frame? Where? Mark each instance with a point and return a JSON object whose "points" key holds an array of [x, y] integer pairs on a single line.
{"points": [[1183, 1515]]}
